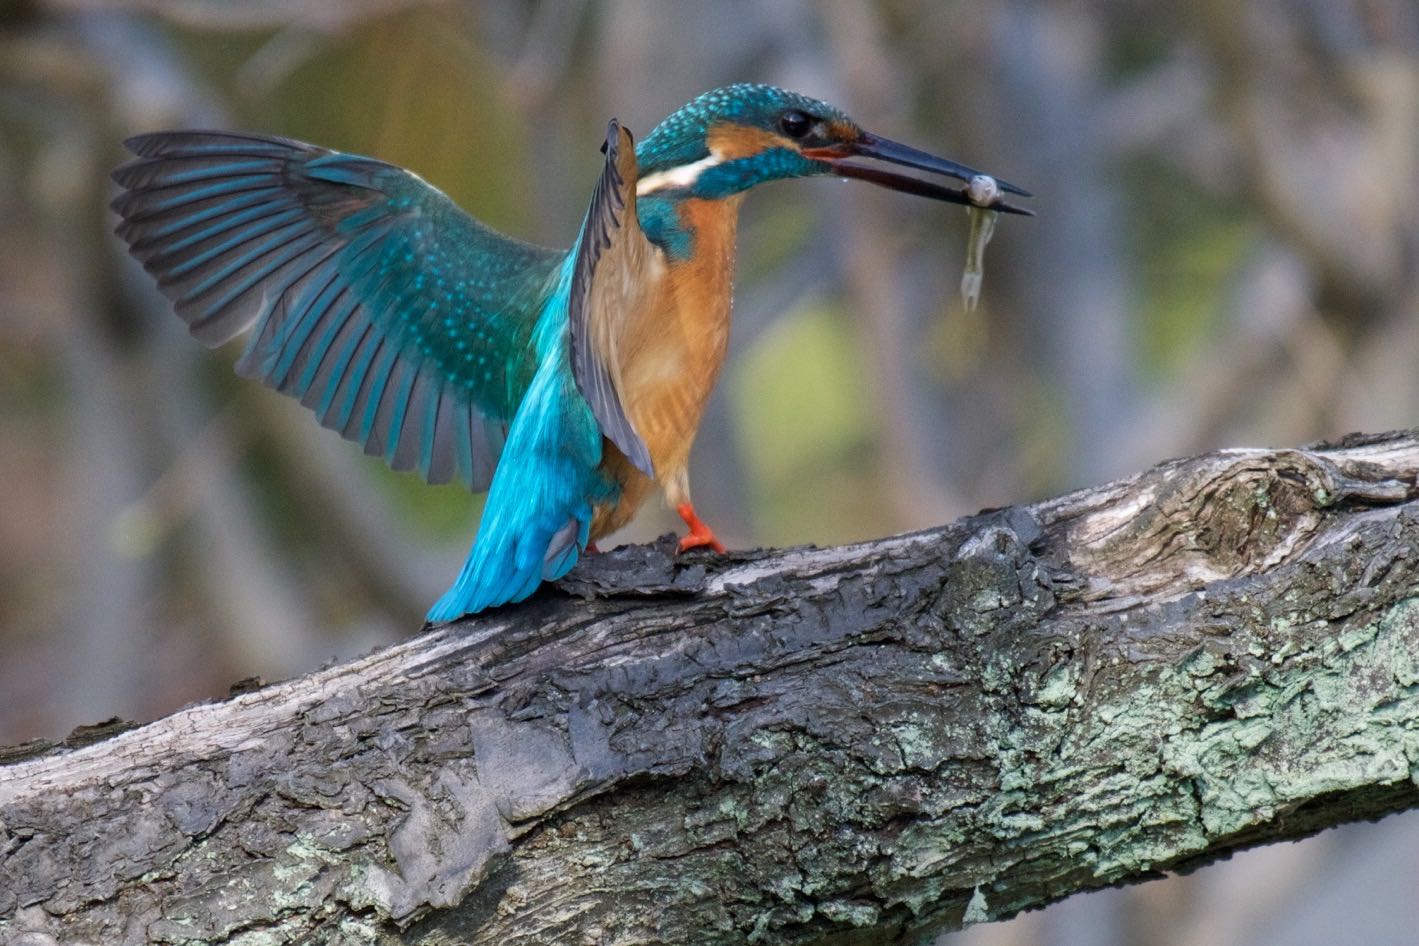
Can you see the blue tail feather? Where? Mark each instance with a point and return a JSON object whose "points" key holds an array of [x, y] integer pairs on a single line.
{"points": [[538, 515]]}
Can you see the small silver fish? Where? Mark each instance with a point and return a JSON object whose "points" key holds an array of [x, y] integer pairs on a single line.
{"points": [[983, 191]]}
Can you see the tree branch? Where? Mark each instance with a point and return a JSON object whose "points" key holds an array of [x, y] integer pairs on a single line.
{"points": [[804, 746]]}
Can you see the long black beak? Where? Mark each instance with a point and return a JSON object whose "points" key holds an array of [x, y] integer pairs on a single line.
{"points": [[870, 146]]}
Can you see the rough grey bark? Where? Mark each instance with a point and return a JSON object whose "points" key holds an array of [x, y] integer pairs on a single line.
{"points": [[849, 745]]}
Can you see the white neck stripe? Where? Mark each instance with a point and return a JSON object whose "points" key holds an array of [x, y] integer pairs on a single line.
{"points": [[683, 176]]}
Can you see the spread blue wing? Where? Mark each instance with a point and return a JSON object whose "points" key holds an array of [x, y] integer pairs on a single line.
{"points": [[610, 275], [400, 320]]}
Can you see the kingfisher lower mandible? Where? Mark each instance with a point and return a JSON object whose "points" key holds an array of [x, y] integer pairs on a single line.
{"points": [[569, 384]]}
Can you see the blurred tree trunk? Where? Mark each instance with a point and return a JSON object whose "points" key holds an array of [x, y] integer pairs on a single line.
{"points": [[811, 746]]}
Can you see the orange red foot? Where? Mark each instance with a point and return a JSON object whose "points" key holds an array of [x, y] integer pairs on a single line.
{"points": [[700, 534]]}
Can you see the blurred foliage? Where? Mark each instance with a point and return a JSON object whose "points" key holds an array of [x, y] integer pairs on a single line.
{"points": [[1191, 246], [802, 410]]}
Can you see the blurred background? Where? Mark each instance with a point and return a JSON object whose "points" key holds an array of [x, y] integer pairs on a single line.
{"points": [[1225, 254]]}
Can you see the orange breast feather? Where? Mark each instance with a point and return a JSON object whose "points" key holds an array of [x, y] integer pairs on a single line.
{"points": [[673, 349], [669, 353]]}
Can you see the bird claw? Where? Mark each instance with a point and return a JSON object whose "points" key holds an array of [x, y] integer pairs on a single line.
{"points": [[693, 541], [700, 535]]}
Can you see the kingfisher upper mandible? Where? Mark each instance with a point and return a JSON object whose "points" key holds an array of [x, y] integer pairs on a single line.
{"points": [[567, 383]]}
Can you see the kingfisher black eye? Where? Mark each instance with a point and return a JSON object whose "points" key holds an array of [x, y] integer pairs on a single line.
{"points": [[794, 123]]}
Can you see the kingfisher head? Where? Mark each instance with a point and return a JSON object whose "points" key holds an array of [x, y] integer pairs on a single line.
{"points": [[730, 139]]}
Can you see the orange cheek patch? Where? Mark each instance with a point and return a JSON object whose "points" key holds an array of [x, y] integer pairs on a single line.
{"points": [[737, 141]]}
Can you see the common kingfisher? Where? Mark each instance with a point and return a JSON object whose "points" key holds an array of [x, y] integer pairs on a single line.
{"points": [[567, 383]]}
